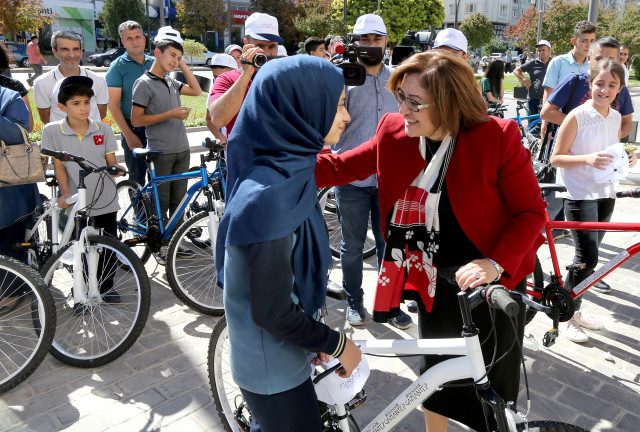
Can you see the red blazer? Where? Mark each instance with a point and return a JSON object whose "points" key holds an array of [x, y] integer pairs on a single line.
{"points": [[493, 190]]}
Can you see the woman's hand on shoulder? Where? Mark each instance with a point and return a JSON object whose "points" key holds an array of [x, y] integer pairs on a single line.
{"points": [[350, 359], [475, 273]]}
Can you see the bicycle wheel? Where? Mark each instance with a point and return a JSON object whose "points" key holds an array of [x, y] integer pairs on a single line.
{"points": [[40, 249], [548, 426], [199, 203], [327, 199], [95, 332], [330, 425], [190, 267], [535, 281], [27, 327], [138, 214]]}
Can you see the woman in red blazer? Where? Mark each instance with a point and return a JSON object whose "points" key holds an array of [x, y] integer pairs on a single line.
{"points": [[457, 189]]}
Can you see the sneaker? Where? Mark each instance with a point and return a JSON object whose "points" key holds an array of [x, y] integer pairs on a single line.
{"points": [[572, 330], [355, 312], [412, 306], [560, 233], [588, 321], [602, 287], [80, 309], [161, 256], [111, 296], [402, 321], [185, 253]]}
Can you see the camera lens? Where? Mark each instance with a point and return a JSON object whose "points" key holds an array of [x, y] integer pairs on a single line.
{"points": [[259, 60]]}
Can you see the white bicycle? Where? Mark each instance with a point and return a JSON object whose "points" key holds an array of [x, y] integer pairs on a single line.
{"points": [[100, 287], [469, 364]]}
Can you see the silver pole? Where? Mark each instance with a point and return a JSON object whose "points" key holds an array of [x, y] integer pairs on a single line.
{"points": [[162, 24], [593, 11], [229, 20], [344, 12], [541, 14], [378, 7]]}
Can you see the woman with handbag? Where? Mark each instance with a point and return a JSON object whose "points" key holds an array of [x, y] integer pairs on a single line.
{"points": [[16, 202]]}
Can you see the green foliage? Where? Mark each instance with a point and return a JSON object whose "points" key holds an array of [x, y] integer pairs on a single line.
{"points": [[636, 66], [398, 15], [199, 16], [627, 29], [525, 32], [115, 12], [495, 45], [315, 19], [192, 49], [478, 30], [285, 11], [23, 15]]}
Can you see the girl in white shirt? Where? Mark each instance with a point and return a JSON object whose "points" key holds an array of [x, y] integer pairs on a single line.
{"points": [[580, 150]]}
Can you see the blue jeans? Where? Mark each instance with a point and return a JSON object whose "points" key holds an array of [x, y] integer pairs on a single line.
{"points": [[137, 167], [533, 106], [355, 204]]}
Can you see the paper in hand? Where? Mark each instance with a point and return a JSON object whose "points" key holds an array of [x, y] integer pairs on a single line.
{"points": [[617, 169]]}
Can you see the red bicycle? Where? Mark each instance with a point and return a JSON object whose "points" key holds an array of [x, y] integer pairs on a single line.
{"points": [[552, 298]]}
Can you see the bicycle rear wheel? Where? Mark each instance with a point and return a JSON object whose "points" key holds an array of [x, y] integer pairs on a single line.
{"points": [[138, 215], [327, 199], [96, 332], [535, 282], [190, 266], [548, 426], [27, 326]]}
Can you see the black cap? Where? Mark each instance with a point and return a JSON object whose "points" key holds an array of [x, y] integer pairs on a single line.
{"points": [[76, 80]]}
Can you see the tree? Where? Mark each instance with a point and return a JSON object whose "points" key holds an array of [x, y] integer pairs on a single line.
{"points": [[495, 45], [398, 15], [23, 15], [477, 29], [525, 32], [627, 29], [192, 49], [198, 16], [315, 18], [285, 11], [115, 12]]}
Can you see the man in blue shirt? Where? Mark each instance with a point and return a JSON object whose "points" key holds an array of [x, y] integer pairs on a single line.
{"points": [[122, 73], [366, 104]]}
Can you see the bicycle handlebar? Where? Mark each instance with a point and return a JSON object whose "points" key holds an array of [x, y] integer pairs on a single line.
{"points": [[631, 193], [64, 156], [61, 156], [215, 145]]}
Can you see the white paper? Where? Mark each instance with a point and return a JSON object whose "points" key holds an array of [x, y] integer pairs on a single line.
{"points": [[617, 169]]}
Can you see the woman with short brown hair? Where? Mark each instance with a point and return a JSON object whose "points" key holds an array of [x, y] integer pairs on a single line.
{"points": [[457, 189]]}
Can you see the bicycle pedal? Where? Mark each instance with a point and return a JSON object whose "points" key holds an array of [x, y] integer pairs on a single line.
{"points": [[22, 246], [550, 337], [357, 400]]}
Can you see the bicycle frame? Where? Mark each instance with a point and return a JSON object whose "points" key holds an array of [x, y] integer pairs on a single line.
{"points": [[604, 270]]}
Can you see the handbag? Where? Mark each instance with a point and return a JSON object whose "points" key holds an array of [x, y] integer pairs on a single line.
{"points": [[20, 163]]}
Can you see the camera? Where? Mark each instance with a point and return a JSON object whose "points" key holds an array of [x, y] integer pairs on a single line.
{"points": [[422, 41], [258, 60], [353, 72]]}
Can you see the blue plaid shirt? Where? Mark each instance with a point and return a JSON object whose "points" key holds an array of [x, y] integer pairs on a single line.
{"points": [[366, 105]]}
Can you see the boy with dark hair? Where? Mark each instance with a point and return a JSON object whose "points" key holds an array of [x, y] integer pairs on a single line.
{"points": [[156, 105], [315, 46], [96, 143]]}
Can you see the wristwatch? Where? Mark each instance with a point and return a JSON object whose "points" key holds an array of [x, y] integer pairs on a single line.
{"points": [[497, 266]]}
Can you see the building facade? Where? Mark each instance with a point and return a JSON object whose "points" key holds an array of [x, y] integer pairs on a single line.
{"points": [[501, 13]]}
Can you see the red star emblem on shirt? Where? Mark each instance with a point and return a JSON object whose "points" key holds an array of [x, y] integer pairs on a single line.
{"points": [[98, 139]]}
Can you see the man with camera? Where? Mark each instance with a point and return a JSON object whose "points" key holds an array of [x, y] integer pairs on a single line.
{"points": [[366, 104], [229, 89]]}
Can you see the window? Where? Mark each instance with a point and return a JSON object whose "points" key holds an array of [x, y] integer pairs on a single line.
{"points": [[515, 1], [471, 7], [515, 12], [452, 9], [503, 9]]}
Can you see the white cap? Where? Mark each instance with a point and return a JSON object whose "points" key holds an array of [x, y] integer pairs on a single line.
{"points": [[282, 51], [262, 26], [543, 42], [168, 33], [368, 24], [224, 60], [232, 47], [452, 38]]}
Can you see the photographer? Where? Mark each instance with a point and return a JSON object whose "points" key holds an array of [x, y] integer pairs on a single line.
{"points": [[366, 104], [230, 89]]}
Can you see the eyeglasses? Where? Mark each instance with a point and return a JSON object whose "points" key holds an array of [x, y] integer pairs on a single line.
{"points": [[410, 103]]}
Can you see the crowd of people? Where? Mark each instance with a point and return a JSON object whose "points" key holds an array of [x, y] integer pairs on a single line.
{"points": [[411, 150]]}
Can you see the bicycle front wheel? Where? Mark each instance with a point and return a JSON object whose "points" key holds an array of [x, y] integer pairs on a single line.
{"points": [[327, 199], [137, 216], [548, 426], [190, 266], [27, 322], [97, 330]]}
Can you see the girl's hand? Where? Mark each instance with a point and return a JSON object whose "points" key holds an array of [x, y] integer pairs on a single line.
{"points": [[599, 160], [320, 358], [633, 159], [476, 273], [349, 359]]}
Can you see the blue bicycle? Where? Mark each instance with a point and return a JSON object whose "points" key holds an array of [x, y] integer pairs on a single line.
{"points": [[531, 132], [189, 255]]}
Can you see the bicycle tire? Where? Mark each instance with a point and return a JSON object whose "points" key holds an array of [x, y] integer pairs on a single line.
{"points": [[194, 280], [199, 203], [41, 249], [548, 426], [334, 230], [126, 190], [26, 332], [536, 279], [101, 331]]}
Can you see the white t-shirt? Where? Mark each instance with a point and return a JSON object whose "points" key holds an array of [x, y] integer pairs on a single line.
{"points": [[626, 75], [46, 87], [595, 133]]}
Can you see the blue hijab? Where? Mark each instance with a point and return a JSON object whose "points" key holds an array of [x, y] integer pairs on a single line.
{"points": [[271, 156]]}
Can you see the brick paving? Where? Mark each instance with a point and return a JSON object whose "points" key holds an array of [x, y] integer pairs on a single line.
{"points": [[161, 383]]}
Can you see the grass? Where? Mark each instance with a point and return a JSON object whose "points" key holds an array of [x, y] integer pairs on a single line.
{"points": [[196, 116]]}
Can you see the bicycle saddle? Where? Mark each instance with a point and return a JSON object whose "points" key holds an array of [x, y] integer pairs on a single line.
{"points": [[552, 187], [146, 154]]}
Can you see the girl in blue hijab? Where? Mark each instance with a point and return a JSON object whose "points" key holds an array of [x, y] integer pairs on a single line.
{"points": [[272, 250]]}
